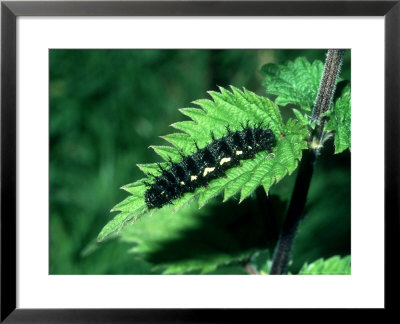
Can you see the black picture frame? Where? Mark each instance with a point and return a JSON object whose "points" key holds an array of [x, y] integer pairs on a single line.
{"points": [[10, 10]]}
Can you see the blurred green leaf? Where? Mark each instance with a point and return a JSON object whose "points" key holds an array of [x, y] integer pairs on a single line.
{"points": [[200, 240], [261, 261], [332, 266]]}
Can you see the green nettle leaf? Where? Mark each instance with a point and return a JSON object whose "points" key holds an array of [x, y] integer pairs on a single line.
{"points": [[340, 121], [233, 108], [261, 261], [294, 83], [165, 231], [302, 118], [332, 266]]}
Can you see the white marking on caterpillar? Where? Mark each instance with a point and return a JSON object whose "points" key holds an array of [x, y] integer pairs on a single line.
{"points": [[182, 183], [207, 170], [224, 160], [192, 178], [239, 152]]}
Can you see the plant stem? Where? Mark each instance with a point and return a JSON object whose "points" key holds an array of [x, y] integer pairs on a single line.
{"points": [[328, 82], [295, 211]]}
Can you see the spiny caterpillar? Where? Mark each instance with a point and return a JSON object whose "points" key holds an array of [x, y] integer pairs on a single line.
{"points": [[208, 163]]}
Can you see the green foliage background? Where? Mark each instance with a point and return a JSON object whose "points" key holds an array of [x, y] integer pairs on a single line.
{"points": [[108, 106]]}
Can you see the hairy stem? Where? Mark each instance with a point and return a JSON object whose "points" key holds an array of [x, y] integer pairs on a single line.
{"points": [[295, 211], [328, 82]]}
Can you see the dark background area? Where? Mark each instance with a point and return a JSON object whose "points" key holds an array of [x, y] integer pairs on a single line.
{"points": [[108, 106]]}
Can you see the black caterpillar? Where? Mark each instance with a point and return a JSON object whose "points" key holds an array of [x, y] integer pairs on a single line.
{"points": [[208, 163]]}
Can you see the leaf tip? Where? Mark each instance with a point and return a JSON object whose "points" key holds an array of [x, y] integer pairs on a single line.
{"points": [[233, 88], [102, 236]]}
